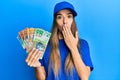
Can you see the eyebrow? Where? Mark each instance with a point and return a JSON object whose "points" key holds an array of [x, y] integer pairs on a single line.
{"points": [[61, 14]]}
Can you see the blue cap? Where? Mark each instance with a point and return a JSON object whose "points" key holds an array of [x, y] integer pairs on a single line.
{"points": [[64, 5]]}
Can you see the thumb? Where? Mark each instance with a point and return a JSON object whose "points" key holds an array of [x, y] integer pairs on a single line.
{"points": [[76, 35]]}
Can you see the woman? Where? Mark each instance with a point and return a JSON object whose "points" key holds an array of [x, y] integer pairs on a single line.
{"points": [[67, 56]]}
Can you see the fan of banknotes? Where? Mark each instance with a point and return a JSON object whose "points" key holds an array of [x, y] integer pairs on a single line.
{"points": [[34, 37]]}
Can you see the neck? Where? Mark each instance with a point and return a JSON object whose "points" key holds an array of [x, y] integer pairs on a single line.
{"points": [[60, 35]]}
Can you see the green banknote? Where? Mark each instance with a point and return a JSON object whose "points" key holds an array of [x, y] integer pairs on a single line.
{"points": [[41, 38]]}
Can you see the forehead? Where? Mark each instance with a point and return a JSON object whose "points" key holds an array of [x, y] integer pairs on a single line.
{"points": [[65, 11]]}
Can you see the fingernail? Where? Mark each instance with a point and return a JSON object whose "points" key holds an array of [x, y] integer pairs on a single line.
{"points": [[28, 63], [65, 25], [40, 64], [33, 48], [39, 52], [63, 28], [26, 60]]}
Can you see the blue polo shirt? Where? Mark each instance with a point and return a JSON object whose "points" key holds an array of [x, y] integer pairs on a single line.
{"points": [[84, 52]]}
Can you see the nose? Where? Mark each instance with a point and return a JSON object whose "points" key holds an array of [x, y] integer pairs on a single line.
{"points": [[64, 20]]}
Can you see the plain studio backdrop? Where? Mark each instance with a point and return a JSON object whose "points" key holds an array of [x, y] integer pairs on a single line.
{"points": [[98, 22]]}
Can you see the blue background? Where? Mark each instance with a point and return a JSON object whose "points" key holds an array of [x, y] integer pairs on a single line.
{"points": [[98, 22]]}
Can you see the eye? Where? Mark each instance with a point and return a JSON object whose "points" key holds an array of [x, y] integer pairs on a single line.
{"points": [[59, 17], [70, 16]]}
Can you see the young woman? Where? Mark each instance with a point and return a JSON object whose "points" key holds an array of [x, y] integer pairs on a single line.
{"points": [[67, 56]]}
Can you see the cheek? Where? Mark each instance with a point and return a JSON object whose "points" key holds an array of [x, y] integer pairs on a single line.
{"points": [[59, 25], [70, 23]]}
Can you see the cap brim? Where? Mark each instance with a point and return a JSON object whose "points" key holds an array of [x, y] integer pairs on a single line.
{"points": [[73, 11]]}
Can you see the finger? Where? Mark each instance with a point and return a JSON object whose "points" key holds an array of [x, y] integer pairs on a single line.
{"points": [[63, 32], [68, 31], [76, 35], [29, 54], [36, 58], [32, 58], [28, 49]]}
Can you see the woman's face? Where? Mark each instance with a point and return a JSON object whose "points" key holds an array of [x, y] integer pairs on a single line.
{"points": [[64, 18]]}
